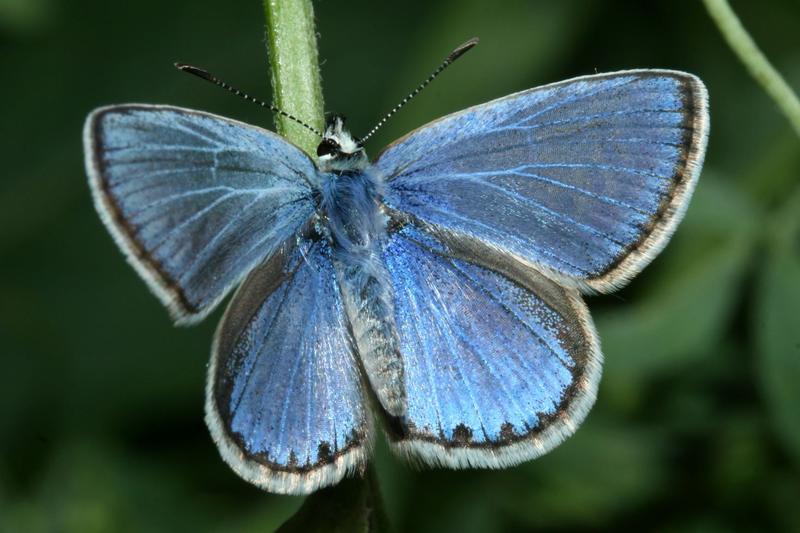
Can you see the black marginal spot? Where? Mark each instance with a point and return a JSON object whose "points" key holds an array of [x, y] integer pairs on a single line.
{"points": [[462, 435], [507, 432], [324, 454], [293, 462], [353, 438]]}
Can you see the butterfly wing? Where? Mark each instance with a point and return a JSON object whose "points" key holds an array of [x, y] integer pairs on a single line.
{"points": [[499, 367], [284, 399], [584, 179], [194, 200]]}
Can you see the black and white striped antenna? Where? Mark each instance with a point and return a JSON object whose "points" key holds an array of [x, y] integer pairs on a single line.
{"points": [[200, 73], [455, 54]]}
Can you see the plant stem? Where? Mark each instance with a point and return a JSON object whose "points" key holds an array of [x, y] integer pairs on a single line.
{"points": [[754, 60], [294, 68]]}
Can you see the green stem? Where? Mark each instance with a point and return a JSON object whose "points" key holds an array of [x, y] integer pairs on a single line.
{"points": [[294, 68], [754, 60]]}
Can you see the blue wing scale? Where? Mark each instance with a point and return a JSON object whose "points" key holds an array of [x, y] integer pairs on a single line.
{"points": [[498, 216], [584, 180], [194, 200], [284, 400], [498, 370]]}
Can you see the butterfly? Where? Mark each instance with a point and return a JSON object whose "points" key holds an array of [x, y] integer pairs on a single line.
{"points": [[437, 286]]}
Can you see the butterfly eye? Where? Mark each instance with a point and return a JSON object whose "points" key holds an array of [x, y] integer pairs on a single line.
{"points": [[327, 147]]}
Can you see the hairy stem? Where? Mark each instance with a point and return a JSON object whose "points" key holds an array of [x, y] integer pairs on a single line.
{"points": [[754, 60], [294, 69]]}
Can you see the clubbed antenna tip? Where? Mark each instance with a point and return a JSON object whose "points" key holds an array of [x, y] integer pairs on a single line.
{"points": [[462, 49], [200, 73]]}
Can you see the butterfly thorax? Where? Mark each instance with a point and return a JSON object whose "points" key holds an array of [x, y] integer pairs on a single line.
{"points": [[350, 203], [351, 212]]}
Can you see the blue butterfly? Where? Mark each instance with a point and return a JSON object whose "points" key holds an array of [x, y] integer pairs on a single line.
{"points": [[439, 283]]}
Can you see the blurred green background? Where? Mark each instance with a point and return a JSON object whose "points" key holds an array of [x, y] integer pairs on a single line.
{"points": [[697, 425]]}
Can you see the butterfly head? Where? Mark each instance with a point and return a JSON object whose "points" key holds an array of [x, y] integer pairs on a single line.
{"points": [[339, 150]]}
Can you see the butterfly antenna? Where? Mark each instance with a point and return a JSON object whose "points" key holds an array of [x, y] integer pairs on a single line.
{"points": [[455, 54], [200, 73]]}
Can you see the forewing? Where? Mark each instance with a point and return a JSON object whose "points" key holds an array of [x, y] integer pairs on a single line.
{"points": [[194, 200], [584, 179], [284, 400], [499, 367]]}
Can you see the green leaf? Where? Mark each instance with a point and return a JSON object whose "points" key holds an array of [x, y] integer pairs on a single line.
{"points": [[352, 506], [777, 326]]}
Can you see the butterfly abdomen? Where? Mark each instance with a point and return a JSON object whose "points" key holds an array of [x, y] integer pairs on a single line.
{"points": [[350, 201]]}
